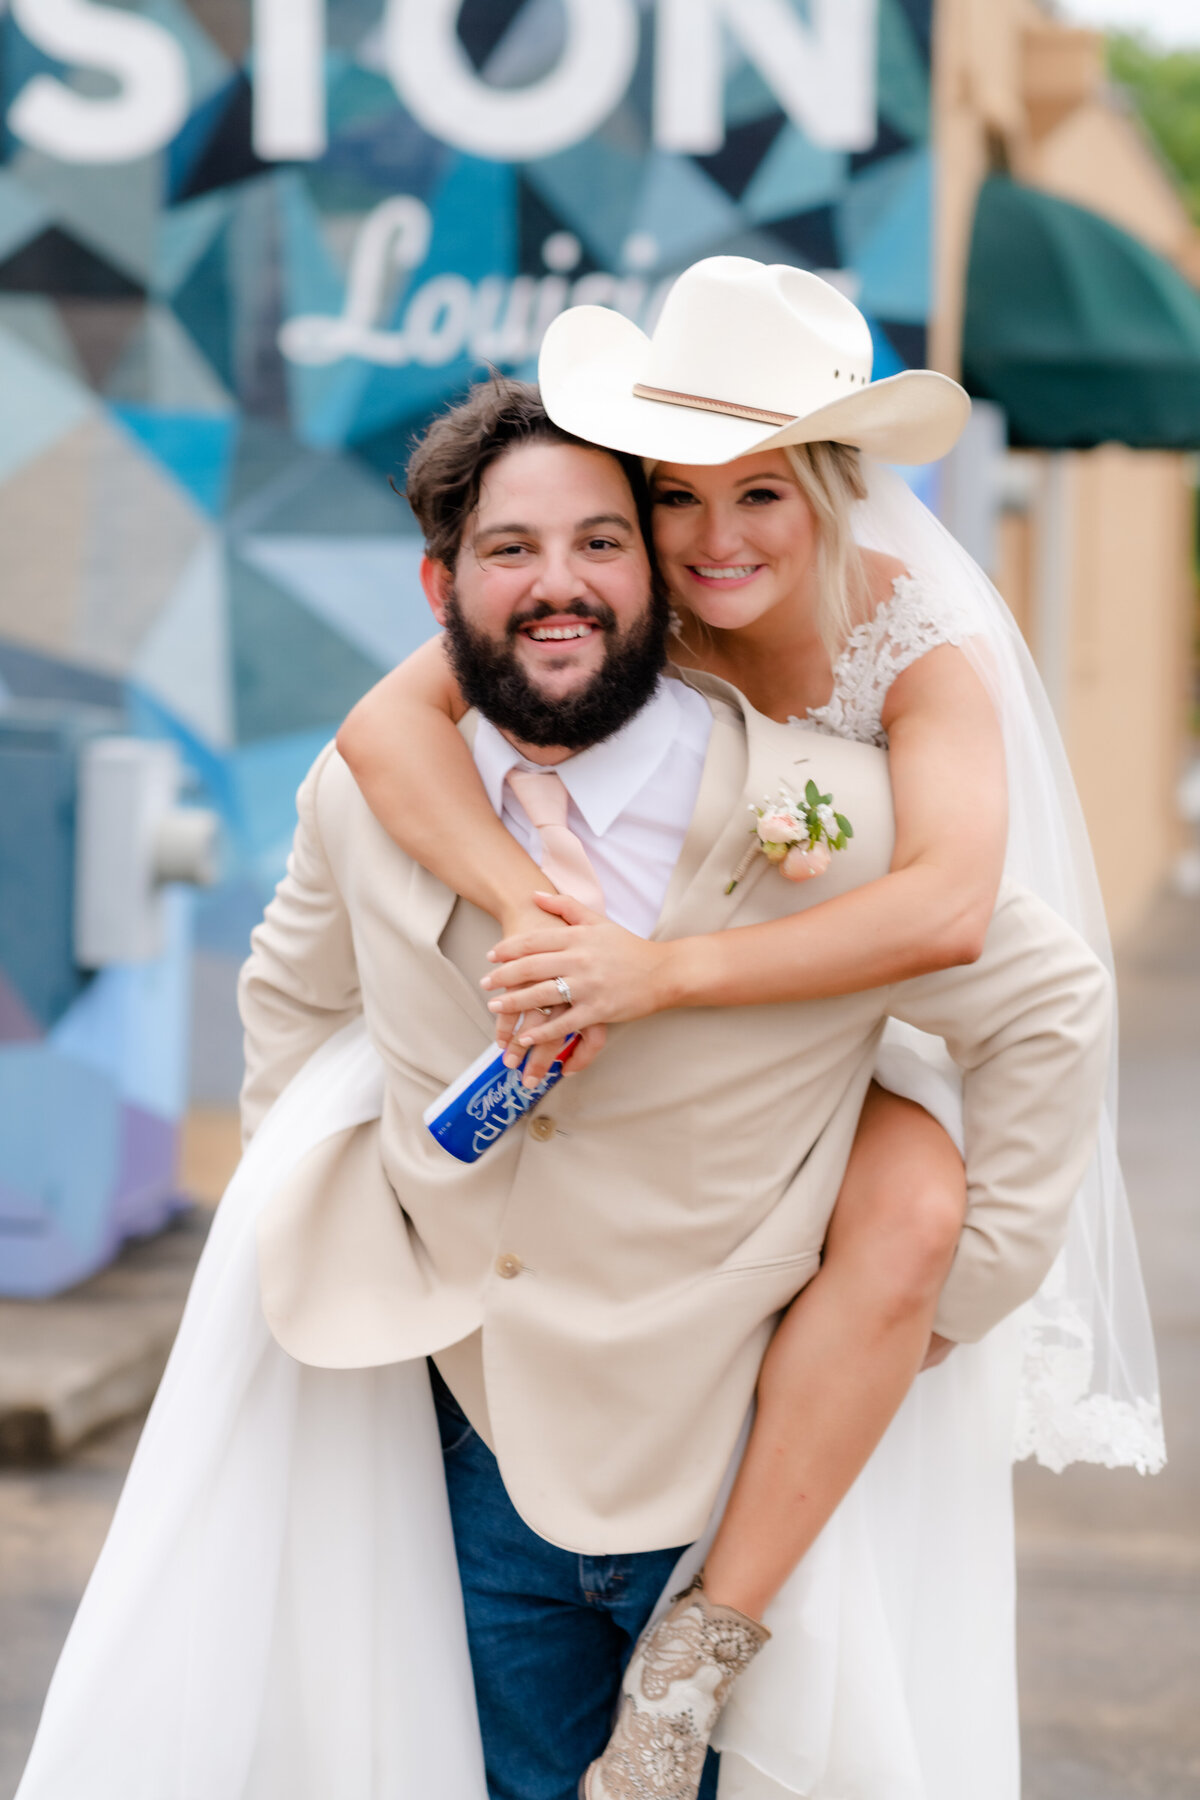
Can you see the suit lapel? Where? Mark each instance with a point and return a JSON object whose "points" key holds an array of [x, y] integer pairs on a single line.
{"points": [[719, 832], [430, 905], [748, 757]]}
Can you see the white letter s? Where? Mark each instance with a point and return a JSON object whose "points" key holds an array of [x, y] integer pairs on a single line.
{"points": [[144, 57]]}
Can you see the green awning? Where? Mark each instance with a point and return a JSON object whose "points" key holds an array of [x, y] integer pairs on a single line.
{"points": [[1081, 334]]}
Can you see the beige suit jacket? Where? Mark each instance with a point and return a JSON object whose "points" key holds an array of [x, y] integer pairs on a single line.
{"points": [[626, 1249]]}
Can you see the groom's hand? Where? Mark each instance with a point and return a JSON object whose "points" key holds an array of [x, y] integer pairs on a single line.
{"points": [[585, 1048], [520, 924], [610, 975]]}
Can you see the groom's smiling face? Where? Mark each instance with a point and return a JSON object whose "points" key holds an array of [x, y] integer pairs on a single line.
{"points": [[552, 623]]}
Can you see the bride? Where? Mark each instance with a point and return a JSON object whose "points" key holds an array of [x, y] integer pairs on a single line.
{"points": [[787, 582], [308, 1504]]}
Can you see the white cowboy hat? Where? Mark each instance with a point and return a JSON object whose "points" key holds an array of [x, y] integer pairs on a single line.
{"points": [[746, 356]]}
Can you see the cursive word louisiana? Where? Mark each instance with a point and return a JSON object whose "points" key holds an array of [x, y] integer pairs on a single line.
{"points": [[499, 319]]}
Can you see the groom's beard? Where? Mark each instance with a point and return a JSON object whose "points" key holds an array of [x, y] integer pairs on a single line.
{"points": [[491, 678]]}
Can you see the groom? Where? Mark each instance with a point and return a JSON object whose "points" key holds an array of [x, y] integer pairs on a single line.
{"points": [[596, 1293]]}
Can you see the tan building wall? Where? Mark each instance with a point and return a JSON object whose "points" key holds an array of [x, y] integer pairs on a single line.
{"points": [[1108, 627], [1098, 567], [1127, 688], [1099, 158]]}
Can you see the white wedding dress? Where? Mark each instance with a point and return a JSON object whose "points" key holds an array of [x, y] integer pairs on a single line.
{"points": [[276, 1612]]}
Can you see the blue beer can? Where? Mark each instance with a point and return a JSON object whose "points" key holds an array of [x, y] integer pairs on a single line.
{"points": [[487, 1098]]}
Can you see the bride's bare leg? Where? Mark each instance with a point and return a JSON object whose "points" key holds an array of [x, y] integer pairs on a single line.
{"points": [[846, 1351], [838, 1367]]}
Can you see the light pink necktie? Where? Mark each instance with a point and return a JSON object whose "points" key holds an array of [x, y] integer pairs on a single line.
{"points": [[565, 861]]}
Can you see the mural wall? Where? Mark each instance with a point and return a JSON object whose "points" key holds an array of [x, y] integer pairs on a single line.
{"points": [[247, 250]]}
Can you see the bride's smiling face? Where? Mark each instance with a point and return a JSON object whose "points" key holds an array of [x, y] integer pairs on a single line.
{"points": [[735, 540]]}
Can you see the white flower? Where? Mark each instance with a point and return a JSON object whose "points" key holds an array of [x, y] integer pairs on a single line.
{"points": [[794, 833], [778, 826]]}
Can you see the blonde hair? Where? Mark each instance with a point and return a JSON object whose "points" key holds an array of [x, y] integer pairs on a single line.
{"points": [[831, 479]]}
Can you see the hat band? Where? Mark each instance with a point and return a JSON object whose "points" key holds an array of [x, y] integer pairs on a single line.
{"points": [[730, 407]]}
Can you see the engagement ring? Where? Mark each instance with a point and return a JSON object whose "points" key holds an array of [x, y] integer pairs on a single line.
{"points": [[564, 988]]}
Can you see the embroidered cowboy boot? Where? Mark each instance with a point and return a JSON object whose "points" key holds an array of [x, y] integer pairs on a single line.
{"points": [[678, 1679]]}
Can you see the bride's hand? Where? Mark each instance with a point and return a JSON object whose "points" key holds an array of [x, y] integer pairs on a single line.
{"points": [[523, 921], [611, 974]]}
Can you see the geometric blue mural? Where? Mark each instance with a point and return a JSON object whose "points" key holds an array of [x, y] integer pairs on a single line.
{"points": [[214, 360], [244, 488]]}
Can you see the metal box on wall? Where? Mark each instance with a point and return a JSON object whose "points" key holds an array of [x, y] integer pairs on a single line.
{"points": [[39, 750], [92, 1062]]}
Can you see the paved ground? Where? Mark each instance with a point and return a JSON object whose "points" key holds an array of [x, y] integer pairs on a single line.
{"points": [[1110, 1592], [1110, 1596], [96, 1354]]}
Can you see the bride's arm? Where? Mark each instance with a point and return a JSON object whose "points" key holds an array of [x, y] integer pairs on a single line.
{"points": [[416, 773], [403, 747], [930, 912]]}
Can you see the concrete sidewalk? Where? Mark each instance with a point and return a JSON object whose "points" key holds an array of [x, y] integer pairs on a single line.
{"points": [[1110, 1562], [75, 1365]]}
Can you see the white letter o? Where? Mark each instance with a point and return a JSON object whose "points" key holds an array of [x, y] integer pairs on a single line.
{"points": [[433, 76]]}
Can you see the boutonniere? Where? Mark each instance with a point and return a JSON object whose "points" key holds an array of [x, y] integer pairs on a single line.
{"points": [[798, 836]]}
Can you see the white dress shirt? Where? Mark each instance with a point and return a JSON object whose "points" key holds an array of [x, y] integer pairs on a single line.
{"points": [[631, 798]]}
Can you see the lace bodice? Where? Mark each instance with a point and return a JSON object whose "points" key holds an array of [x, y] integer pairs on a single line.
{"points": [[907, 624]]}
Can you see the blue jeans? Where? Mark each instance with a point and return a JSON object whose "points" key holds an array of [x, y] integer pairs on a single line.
{"points": [[550, 1631]]}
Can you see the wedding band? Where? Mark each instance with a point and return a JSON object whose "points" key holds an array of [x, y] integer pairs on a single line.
{"points": [[564, 988]]}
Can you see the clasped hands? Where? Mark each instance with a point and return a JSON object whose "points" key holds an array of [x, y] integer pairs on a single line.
{"points": [[611, 975]]}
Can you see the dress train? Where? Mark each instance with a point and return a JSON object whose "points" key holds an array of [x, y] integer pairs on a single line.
{"points": [[276, 1615]]}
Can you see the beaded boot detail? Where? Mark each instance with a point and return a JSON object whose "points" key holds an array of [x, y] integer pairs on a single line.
{"points": [[678, 1679]]}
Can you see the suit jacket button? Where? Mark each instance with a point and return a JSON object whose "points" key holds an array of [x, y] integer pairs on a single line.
{"points": [[509, 1265], [542, 1128]]}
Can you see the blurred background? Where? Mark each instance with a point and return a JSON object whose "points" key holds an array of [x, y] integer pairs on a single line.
{"points": [[247, 247]]}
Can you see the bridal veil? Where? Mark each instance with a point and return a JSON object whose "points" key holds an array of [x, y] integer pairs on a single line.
{"points": [[276, 1612]]}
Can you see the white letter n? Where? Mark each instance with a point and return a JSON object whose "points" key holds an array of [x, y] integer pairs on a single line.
{"points": [[822, 74]]}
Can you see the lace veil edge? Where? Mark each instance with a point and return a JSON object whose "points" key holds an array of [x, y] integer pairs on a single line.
{"points": [[1089, 1389]]}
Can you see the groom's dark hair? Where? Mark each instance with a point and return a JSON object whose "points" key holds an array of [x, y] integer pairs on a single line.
{"points": [[447, 467]]}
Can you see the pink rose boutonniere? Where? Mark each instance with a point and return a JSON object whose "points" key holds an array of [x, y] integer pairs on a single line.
{"points": [[798, 836]]}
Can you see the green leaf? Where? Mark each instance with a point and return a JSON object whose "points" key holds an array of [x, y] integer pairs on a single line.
{"points": [[844, 825], [811, 794]]}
